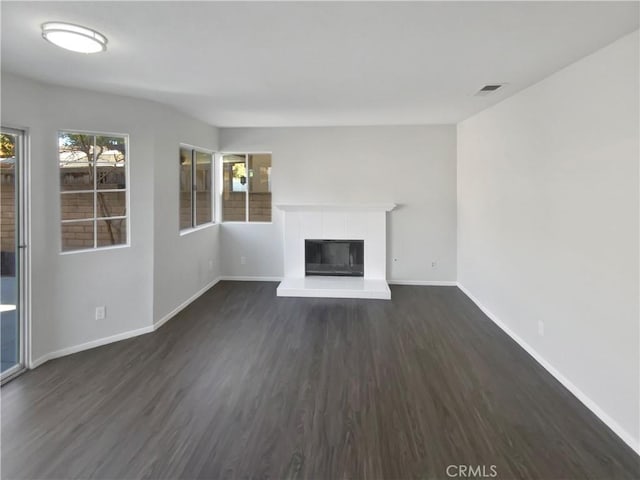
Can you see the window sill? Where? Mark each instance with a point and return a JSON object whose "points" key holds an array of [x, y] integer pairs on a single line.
{"points": [[247, 223], [98, 249], [187, 231]]}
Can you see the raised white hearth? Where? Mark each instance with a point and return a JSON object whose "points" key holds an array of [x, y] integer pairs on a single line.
{"points": [[365, 222], [334, 287]]}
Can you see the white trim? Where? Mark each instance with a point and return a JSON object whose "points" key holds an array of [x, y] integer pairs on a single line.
{"points": [[195, 147], [26, 217], [95, 249], [579, 394], [425, 283], [247, 195], [242, 222], [92, 344], [329, 207], [120, 336], [79, 220], [204, 226], [25, 229], [158, 323], [12, 372], [250, 278]]}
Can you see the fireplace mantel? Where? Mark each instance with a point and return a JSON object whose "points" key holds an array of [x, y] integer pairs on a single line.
{"points": [[335, 207]]}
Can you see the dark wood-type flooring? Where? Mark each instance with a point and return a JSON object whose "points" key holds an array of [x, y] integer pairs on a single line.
{"points": [[243, 384]]}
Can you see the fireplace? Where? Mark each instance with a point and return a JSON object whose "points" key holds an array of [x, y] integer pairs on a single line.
{"points": [[342, 258], [324, 250]]}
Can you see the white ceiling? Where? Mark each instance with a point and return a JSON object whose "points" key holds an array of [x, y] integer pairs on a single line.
{"points": [[314, 63]]}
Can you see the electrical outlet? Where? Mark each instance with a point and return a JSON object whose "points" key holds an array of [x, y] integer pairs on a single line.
{"points": [[395, 259], [434, 264], [243, 260], [101, 313], [210, 265], [541, 328]]}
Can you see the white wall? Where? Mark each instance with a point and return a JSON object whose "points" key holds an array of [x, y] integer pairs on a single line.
{"points": [[181, 266], [414, 166], [548, 224], [67, 288]]}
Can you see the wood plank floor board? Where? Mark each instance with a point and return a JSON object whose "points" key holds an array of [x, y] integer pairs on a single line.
{"points": [[243, 384]]}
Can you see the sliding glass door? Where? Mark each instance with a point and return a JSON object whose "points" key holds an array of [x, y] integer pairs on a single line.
{"points": [[12, 253]]}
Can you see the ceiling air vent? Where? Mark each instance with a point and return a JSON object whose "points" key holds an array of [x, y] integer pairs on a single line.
{"points": [[488, 89]]}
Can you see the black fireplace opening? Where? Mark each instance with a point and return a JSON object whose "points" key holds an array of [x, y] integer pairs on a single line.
{"points": [[343, 258]]}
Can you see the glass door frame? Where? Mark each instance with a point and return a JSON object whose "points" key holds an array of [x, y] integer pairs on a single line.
{"points": [[22, 251]]}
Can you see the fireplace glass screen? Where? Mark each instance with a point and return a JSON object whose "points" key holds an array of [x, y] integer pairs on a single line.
{"points": [[334, 257]]}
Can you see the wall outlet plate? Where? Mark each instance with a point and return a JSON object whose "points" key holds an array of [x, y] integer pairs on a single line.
{"points": [[101, 313]]}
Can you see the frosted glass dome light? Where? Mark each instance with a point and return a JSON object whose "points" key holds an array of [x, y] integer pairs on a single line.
{"points": [[74, 37]]}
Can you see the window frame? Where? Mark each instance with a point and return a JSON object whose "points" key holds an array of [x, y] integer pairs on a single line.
{"points": [[248, 191], [94, 191], [194, 227]]}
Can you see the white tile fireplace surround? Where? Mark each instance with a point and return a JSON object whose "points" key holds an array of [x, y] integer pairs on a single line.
{"points": [[366, 222]]}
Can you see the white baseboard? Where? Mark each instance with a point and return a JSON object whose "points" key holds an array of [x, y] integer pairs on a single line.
{"points": [[425, 283], [250, 278], [120, 336], [88, 345], [158, 323], [634, 443]]}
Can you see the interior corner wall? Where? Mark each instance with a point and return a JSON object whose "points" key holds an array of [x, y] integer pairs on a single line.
{"points": [[184, 265], [548, 222], [412, 166], [65, 289]]}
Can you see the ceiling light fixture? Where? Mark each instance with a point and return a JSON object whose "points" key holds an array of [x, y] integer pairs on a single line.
{"points": [[74, 37]]}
